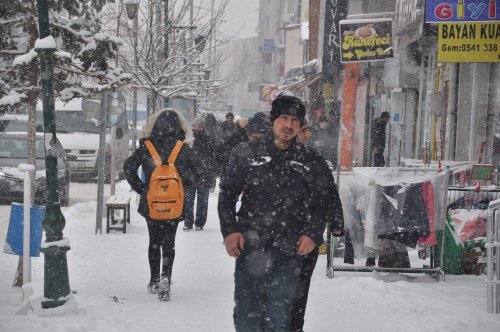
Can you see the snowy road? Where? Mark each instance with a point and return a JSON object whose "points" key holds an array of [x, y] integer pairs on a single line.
{"points": [[109, 274]]}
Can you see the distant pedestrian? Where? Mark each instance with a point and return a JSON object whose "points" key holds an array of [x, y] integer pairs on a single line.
{"points": [[378, 139], [257, 127], [228, 127], [227, 145], [212, 128], [324, 140], [204, 149], [167, 131], [287, 192]]}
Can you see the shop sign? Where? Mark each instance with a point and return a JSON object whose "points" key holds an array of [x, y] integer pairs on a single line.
{"points": [[267, 92], [269, 46], [439, 11], [366, 40], [335, 11], [469, 42]]}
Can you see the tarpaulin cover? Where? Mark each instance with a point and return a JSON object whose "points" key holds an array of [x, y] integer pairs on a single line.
{"points": [[390, 203]]}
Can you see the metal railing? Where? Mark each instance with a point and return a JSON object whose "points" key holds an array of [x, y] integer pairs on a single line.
{"points": [[493, 259]]}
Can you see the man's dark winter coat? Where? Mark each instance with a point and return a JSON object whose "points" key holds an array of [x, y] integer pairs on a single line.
{"points": [[286, 193], [378, 134], [165, 133], [227, 129], [205, 149]]}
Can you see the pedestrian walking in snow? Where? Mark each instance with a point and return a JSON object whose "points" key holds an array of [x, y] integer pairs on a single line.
{"points": [[167, 131], [309, 261], [204, 149], [228, 127], [377, 133], [286, 198], [227, 145], [257, 127], [325, 140]]}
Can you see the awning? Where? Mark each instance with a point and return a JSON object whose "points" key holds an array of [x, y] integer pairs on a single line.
{"points": [[299, 86]]}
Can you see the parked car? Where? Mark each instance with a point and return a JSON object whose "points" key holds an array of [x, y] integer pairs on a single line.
{"points": [[14, 151], [7, 119]]}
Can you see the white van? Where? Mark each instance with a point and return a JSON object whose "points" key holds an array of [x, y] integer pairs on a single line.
{"points": [[77, 126]]}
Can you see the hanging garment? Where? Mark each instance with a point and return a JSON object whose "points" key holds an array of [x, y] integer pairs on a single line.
{"points": [[428, 195], [402, 216]]}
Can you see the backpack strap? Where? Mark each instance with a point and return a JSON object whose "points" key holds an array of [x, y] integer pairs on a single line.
{"points": [[175, 152], [153, 152]]}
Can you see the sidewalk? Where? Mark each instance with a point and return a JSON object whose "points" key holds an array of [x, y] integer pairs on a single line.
{"points": [[108, 274]]}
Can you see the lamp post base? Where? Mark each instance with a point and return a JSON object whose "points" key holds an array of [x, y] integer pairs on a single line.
{"points": [[56, 280]]}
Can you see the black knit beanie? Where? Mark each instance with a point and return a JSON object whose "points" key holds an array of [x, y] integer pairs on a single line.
{"points": [[288, 105]]}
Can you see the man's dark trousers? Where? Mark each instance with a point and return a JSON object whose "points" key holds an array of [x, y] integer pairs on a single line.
{"points": [[302, 292], [201, 194], [378, 159], [263, 277]]}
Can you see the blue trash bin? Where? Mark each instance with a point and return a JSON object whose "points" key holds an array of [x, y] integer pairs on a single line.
{"points": [[14, 242]]}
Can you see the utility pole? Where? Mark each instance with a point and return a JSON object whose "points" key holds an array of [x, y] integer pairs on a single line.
{"points": [[210, 46], [166, 31], [56, 289], [114, 119], [100, 161], [134, 92], [191, 18], [166, 37]]}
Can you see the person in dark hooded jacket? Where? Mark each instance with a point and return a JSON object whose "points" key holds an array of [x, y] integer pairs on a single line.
{"points": [[204, 148], [168, 128], [287, 195], [228, 144]]}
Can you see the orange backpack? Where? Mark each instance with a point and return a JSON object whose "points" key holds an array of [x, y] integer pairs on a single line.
{"points": [[165, 191]]}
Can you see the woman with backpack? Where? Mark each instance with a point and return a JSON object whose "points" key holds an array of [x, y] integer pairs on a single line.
{"points": [[162, 192]]}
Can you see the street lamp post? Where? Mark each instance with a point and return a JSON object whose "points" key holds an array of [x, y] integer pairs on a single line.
{"points": [[56, 280], [132, 6]]}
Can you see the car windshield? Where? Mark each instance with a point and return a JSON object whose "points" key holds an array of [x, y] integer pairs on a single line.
{"points": [[17, 148], [66, 122], [70, 122]]}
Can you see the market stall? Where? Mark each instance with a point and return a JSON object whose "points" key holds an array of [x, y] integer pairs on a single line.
{"points": [[389, 209]]}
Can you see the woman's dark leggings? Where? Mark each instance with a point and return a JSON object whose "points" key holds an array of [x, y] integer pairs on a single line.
{"points": [[161, 244]]}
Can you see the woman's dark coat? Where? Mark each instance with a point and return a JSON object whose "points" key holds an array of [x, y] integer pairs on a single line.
{"points": [[166, 132]]}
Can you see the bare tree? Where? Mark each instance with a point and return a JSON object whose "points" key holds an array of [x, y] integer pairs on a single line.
{"points": [[171, 49]]}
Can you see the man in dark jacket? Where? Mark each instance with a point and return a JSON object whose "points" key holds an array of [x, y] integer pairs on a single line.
{"points": [[378, 139], [168, 128], [228, 127], [227, 145], [287, 199], [257, 127], [204, 148], [324, 140]]}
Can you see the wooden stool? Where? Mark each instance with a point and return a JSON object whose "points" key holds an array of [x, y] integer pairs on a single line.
{"points": [[117, 202]]}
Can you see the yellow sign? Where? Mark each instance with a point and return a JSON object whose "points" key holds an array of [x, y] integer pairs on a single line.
{"points": [[469, 42]]}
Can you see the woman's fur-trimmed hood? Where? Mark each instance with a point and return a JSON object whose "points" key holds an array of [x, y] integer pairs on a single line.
{"points": [[168, 126]]}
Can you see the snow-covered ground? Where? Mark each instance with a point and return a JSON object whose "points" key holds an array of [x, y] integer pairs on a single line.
{"points": [[108, 274]]}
